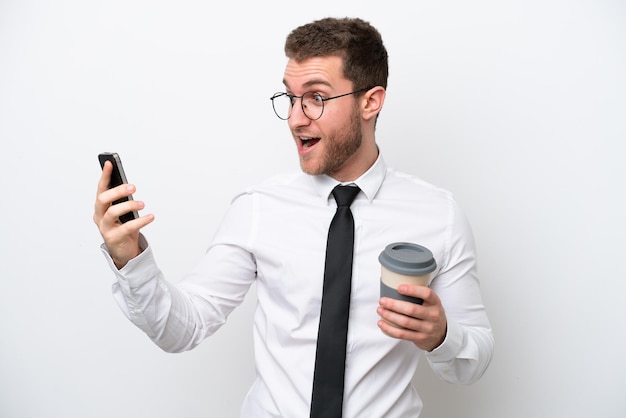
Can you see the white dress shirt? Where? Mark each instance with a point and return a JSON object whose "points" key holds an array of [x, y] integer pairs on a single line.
{"points": [[275, 235]]}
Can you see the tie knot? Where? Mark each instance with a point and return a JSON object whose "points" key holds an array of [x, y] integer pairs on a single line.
{"points": [[344, 195]]}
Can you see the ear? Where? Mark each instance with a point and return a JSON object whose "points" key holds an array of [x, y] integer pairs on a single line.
{"points": [[374, 99]]}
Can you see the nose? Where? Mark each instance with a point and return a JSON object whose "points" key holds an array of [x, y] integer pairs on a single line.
{"points": [[297, 117]]}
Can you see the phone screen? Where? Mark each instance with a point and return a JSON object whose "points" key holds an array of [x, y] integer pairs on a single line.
{"points": [[118, 176]]}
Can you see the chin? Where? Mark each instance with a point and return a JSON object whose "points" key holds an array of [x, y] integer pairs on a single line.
{"points": [[309, 168], [309, 171]]}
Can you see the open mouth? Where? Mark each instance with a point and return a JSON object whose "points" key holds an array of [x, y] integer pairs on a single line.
{"points": [[308, 142]]}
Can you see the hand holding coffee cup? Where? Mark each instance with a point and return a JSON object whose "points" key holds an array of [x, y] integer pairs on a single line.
{"points": [[403, 262]]}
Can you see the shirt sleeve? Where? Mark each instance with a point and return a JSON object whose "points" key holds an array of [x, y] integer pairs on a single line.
{"points": [[177, 317], [467, 349]]}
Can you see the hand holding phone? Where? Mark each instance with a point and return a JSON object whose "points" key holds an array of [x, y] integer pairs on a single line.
{"points": [[118, 176]]}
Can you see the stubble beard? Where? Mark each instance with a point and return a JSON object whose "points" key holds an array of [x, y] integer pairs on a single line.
{"points": [[339, 147]]}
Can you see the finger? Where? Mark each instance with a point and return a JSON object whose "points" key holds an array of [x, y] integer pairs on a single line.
{"points": [[102, 204], [105, 195], [105, 199], [403, 307], [122, 208], [418, 291], [120, 235], [393, 330], [398, 319], [420, 339], [130, 228], [105, 177], [137, 224]]}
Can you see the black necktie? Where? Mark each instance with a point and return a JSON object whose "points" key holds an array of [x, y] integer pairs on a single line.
{"points": [[327, 397]]}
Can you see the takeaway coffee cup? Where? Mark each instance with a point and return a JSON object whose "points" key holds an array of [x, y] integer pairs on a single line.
{"points": [[404, 262]]}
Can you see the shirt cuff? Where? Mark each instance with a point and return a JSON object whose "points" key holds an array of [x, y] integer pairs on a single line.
{"points": [[451, 346], [138, 270]]}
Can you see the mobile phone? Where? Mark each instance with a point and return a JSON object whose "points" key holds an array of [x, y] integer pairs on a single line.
{"points": [[118, 176]]}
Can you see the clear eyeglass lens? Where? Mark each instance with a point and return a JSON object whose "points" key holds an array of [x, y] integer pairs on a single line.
{"points": [[313, 105], [282, 105]]}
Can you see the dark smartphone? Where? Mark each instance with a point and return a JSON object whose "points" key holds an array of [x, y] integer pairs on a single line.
{"points": [[118, 177]]}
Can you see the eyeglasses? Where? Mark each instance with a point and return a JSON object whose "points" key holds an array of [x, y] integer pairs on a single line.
{"points": [[312, 103]]}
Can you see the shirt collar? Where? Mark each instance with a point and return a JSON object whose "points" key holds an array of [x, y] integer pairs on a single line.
{"points": [[369, 182]]}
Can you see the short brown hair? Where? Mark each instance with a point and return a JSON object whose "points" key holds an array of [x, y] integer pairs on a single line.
{"points": [[357, 42]]}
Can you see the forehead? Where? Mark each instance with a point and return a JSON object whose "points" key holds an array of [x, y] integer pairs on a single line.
{"points": [[315, 71]]}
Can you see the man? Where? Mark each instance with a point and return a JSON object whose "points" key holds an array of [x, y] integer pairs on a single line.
{"points": [[275, 235]]}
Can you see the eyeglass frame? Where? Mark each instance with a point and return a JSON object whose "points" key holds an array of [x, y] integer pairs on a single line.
{"points": [[292, 98]]}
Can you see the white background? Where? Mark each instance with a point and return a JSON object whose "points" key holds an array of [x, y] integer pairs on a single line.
{"points": [[518, 107]]}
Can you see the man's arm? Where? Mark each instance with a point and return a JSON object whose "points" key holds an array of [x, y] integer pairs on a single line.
{"points": [[452, 325]]}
